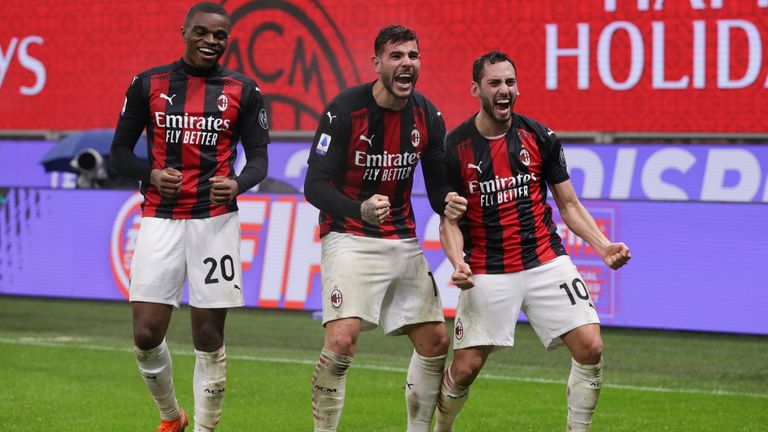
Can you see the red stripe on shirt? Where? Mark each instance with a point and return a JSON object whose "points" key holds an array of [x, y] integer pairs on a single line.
{"points": [[389, 187], [354, 178], [508, 215], [226, 150], [538, 201], [190, 153]]}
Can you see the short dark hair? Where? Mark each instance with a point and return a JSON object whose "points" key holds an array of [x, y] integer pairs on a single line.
{"points": [[393, 34], [490, 58], [205, 7]]}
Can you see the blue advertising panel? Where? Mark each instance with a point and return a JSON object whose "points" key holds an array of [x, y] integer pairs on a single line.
{"points": [[695, 266], [710, 173], [20, 164]]}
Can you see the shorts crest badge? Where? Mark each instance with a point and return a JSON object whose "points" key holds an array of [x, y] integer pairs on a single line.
{"points": [[336, 298], [459, 330]]}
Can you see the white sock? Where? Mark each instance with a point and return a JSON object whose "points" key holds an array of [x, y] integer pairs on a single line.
{"points": [[156, 369], [451, 401], [328, 383], [583, 391], [210, 383], [422, 388]]}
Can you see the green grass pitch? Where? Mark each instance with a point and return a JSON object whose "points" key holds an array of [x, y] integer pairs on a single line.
{"points": [[68, 366]]}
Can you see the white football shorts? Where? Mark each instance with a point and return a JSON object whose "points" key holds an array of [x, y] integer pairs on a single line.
{"points": [[207, 251], [381, 281], [553, 296]]}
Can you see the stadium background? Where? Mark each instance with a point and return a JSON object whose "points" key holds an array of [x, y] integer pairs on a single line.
{"points": [[662, 106]]}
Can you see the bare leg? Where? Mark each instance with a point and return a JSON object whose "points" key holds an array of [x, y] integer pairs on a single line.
{"points": [[150, 322]]}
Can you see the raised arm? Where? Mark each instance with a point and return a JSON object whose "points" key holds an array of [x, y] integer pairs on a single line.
{"points": [[581, 223]]}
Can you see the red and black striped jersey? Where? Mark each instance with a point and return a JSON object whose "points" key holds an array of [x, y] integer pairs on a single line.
{"points": [[361, 149], [508, 225], [194, 119]]}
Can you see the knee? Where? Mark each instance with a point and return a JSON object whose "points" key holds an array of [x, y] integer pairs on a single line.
{"points": [[146, 337], [342, 343], [438, 345], [208, 338], [589, 352], [465, 371], [429, 340]]}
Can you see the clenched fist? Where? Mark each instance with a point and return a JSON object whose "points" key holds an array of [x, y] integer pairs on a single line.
{"points": [[455, 206], [167, 181], [375, 209], [223, 190]]}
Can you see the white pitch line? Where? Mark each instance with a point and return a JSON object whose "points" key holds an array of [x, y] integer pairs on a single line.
{"points": [[66, 342]]}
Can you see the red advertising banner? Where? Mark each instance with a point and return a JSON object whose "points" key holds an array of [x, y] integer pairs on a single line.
{"points": [[583, 65]]}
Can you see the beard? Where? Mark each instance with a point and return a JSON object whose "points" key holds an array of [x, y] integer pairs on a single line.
{"points": [[389, 83], [490, 108]]}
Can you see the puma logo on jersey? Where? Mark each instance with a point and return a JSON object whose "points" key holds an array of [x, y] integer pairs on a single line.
{"points": [[169, 99], [366, 139], [330, 117], [477, 167]]}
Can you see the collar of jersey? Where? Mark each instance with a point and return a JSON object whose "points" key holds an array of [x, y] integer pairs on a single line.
{"points": [[199, 72]]}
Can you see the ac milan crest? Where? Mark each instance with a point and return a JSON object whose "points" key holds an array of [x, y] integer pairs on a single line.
{"points": [[459, 330], [336, 298], [311, 46], [222, 102], [415, 137], [525, 157]]}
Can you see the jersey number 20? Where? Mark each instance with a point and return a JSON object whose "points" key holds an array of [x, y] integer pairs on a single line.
{"points": [[227, 269]]}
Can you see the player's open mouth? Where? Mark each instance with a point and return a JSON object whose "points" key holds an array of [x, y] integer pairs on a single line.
{"points": [[207, 52], [404, 79], [502, 104]]}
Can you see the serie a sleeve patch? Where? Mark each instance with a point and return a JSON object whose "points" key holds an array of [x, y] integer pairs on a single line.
{"points": [[322, 144]]}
